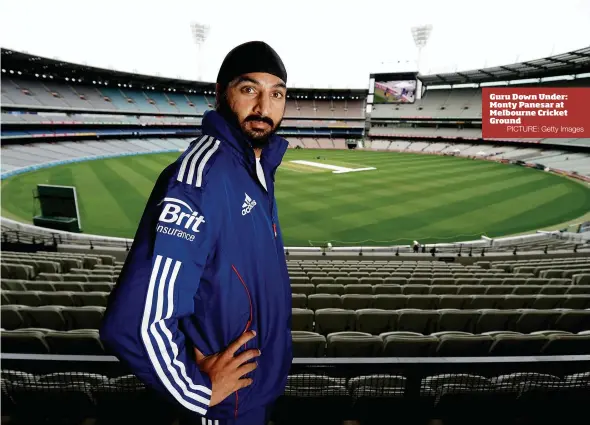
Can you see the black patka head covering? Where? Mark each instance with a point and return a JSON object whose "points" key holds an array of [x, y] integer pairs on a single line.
{"points": [[253, 56]]}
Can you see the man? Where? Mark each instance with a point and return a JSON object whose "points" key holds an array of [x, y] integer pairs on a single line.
{"points": [[202, 309]]}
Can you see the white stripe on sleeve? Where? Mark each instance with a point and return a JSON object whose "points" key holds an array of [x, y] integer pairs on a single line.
{"points": [[149, 328]]}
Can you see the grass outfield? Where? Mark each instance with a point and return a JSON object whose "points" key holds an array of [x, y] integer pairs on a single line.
{"points": [[409, 196]]}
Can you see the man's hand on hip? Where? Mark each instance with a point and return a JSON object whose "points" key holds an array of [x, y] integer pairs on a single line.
{"points": [[226, 370]]}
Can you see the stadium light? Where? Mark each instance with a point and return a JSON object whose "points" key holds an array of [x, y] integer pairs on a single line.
{"points": [[12, 71], [19, 73], [421, 34], [4, 70], [200, 32]]}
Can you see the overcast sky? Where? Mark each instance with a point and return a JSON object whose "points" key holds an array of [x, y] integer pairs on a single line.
{"points": [[322, 42]]}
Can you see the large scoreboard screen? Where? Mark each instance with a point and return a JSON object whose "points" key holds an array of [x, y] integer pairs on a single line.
{"points": [[395, 88]]}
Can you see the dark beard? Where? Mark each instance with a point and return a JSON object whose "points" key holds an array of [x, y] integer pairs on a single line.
{"points": [[256, 141]]}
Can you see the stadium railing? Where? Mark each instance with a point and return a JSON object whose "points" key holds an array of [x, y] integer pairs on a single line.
{"points": [[541, 389], [16, 232]]}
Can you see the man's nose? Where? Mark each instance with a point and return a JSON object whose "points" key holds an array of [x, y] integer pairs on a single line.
{"points": [[262, 105]]}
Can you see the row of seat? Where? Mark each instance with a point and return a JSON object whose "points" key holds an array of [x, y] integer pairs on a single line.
{"points": [[33, 285], [534, 263], [63, 277], [338, 344], [310, 288], [49, 263], [564, 269], [317, 380], [411, 289], [432, 302], [434, 265], [483, 263], [376, 321], [434, 382], [47, 341], [350, 301], [405, 274], [298, 277], [329, 320], [582, 276], [445, 344], [67, 278], [389, 269], [51, 317], [62, 298], [431, 274], [97, 270], [16, 265], [316, 398], [342, 280], [104, 259], [340, 276]]}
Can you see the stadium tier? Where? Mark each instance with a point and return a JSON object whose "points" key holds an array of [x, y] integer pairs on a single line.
{"points": [[51, 303], [15, 157], [550, 158], [507, 391], [418, 341], [57, 96]]}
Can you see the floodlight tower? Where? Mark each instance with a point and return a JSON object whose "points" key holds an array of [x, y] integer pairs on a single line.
{"points": [[421, 35], [199, 33]]}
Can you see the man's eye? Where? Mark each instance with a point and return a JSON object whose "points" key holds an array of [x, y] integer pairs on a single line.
{"points": [[278, 95], [248, 89]]}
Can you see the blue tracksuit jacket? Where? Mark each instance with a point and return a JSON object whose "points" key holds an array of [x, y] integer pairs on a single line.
{"points": [[207, 264]]}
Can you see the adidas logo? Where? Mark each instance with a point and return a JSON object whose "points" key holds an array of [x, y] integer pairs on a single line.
{"points": [[249, 203]]}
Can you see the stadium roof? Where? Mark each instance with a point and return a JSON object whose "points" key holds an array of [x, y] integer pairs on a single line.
{"points": [[32, 66], [574, 62]]}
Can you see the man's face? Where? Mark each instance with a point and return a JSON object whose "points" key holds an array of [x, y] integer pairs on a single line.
{"points": [[257, 101]]}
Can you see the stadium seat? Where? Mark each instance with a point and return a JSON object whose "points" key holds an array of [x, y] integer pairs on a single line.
{"points": [[518, 345], [302, 319], [80, 342], [49, 317], [329, 320], [374, 321], [88, 317], [23, 341], [455, 345], [408, 344], [308, 344], [353, 344], [567, 345]]}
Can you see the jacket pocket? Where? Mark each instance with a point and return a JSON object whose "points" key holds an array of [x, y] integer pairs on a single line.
{"points": [[249, 298], [250, 344]]}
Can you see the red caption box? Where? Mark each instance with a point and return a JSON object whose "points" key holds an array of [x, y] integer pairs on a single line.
{"points": [[535, 112]]}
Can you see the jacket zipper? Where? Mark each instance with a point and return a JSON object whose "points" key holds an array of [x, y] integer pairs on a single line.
{"points": [[247, 324], [270, 201], [274, 228]]}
